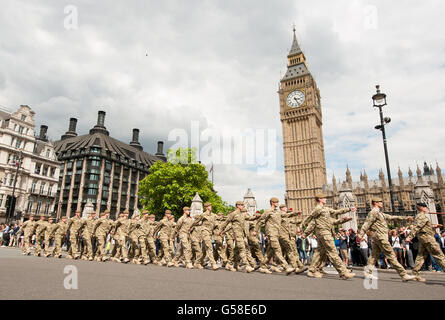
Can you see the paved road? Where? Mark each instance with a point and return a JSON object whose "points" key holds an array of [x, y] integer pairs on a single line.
{"points": [[29, 277]]}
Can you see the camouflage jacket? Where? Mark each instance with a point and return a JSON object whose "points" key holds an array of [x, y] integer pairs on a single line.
{"points": [[272, 220], [183, 225], [28, 228], [376, 222], [102, 226], [422, 227], [321, 215]]}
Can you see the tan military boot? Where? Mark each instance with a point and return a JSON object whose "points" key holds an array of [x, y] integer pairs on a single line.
{"points": [[315, 274], [407, 277], [199, 266], [301, 270], [249, 269], [323, 271], [90, 259], [189, 265], [348, 275], [176, 264], [275, 269], [146, 261], [69, 257], [170, 264], [420, 279], [370, 276], [215, 267], [264, 270], [126, 260], [84, 258], [227, 266], [289, 270], [136, 261]]}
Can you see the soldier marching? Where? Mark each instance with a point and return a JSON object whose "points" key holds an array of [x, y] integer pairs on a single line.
{"points": [[232, 240]]}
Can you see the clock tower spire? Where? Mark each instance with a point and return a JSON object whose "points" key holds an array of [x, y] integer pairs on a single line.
{"points": [[301, 119]]}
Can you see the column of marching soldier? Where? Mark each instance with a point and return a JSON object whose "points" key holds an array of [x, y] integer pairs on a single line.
{"points": [[241, 231]]}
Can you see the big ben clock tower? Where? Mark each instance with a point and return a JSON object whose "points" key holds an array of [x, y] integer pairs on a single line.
{"points": [[301, 119]]}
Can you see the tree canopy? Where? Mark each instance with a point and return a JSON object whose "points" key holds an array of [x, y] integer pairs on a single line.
{"points": [[173, 184]]}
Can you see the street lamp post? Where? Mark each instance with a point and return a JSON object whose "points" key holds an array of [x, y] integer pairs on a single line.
{"points": [[379, 100], [12, 203]]}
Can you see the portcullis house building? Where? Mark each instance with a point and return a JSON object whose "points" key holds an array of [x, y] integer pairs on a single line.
{"points": [[99, 169]]}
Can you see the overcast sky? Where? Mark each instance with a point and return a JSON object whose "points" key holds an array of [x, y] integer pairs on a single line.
{"points": [[158, 65]]}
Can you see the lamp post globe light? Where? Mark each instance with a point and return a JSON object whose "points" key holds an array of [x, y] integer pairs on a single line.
{"points": [[379, 101]]}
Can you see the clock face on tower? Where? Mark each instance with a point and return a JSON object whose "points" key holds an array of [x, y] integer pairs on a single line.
{"points": [[295, 98]]}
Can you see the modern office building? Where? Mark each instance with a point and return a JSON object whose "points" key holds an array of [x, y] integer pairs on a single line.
{"points": [[99, 169]]}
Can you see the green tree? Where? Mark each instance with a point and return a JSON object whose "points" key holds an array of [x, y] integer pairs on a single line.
{"points": [[173, 184]]}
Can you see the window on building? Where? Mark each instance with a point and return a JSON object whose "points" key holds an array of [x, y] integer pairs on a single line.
{"points": [[92, 192], [1, 199], [39, 206], [18, 143], [42, 187], [30, 204], [45, 171], [37, 169], [34, 186], [21, 129], [48, 204], [12, 141], [23, 117], [95, 163], [70, 164], [47, 153], [94, 177]]}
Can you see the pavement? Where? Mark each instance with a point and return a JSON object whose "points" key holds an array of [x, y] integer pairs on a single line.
{"points": [[29, 277]]}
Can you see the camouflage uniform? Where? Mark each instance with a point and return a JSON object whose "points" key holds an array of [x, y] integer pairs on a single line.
{"points": [[207, 221], [28, 228], [325, 236], [238, 218], [423, 228], [272, 219], [136, 236], [87, 238], [376, 222], [40, 236], [219, 252], [320, 253], [101, 228], [49, 235], [286, 241], [75, 225], [182, 230], [195, 239], [59, 236], [164, 229], [121, 230]]}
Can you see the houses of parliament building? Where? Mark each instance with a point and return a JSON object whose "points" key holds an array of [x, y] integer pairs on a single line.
{"points": [[305, 165]]}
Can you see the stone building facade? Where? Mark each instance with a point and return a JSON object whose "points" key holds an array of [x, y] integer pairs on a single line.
{"points": [[32, 159], [426, 185], [301, 119], [99, 169]]}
